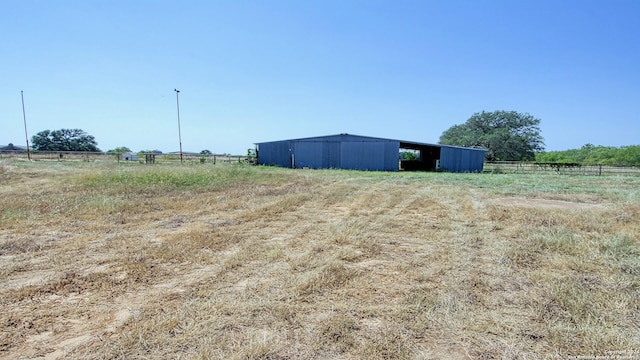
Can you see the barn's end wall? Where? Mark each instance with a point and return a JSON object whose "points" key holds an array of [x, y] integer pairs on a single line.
{"points": [[461, 160], [275, 153]]}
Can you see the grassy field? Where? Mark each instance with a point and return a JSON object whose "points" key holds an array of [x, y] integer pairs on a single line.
{"points": [[105, 261]]}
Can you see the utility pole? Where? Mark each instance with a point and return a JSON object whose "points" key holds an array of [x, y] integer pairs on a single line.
{"points": [[24, 116], [179, 133]]}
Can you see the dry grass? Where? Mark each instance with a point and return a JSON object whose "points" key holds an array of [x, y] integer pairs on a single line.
{"points": [[130, 261]]}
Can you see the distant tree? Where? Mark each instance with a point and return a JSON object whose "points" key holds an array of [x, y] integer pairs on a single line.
{"points": [[64, 140], [555, 157], [629, 155], [119, 150], [206, 152], [408, 155], [591, 154], [508, 135]]}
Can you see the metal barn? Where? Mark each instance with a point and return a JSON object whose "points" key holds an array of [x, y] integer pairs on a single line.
{"points": [[354, 152]]}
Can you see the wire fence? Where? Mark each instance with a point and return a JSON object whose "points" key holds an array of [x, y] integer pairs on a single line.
{"points": [[142, 158], [517, 167], [497, 167]]}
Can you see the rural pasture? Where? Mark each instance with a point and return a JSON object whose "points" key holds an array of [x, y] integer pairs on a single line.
{"points": [[230, 261]]}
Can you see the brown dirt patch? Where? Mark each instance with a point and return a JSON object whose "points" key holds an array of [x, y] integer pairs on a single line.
{"points": [[545, 203]]}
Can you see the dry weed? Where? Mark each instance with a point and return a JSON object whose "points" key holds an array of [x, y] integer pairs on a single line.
{"points": [[201, 262]]}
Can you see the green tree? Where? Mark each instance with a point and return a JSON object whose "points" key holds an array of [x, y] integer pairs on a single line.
{"points": [[119, 150], [64, 140], [206, 152], [508, 135], [408, 155]]}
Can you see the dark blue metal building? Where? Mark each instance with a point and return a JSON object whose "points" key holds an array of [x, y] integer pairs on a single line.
{"points": [[345, 151]]}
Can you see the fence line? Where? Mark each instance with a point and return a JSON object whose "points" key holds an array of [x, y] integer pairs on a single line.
{"points": [[508, 167], [517, 167], [125, 158]]}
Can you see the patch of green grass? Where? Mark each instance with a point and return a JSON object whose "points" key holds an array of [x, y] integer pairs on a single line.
{"points": [[529, 185], [171, 178], [619, 246]]}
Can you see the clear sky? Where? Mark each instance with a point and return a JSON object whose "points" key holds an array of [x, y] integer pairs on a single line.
{"points": [[254, 71]]}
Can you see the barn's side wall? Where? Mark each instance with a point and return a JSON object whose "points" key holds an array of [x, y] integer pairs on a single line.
{"points": [[331, 155], [346, 153], [461, 160], [370, 155], [355, 152], [392, 156], [308, 154]]}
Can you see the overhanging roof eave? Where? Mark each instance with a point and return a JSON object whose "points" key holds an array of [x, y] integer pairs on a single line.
{"points": [[409, 144]]}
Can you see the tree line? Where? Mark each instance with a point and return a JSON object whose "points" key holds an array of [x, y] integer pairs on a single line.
{"points": [[506, 135], [590, 154]]}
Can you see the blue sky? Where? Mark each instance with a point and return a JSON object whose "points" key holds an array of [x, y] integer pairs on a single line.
{"points": [[253, 71]]}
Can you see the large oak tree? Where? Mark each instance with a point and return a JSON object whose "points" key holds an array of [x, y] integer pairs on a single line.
{"points": [[508, 135], [64, 140]]}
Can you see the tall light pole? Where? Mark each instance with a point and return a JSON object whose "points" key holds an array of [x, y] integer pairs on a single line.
{"points": [[24, 116], [179, 133]]}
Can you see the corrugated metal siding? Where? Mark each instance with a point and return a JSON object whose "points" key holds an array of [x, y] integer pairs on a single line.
{"points": [[331, 155], [461, 160], [370, 155], [392, 156], [307, 154], [337, 152], [275, 153], [354, 155], [362, 155]]}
